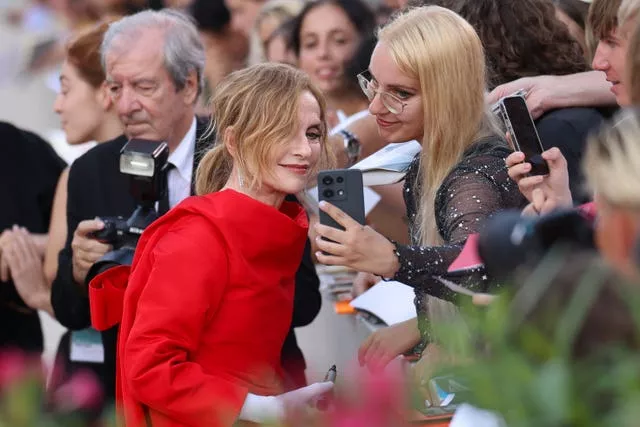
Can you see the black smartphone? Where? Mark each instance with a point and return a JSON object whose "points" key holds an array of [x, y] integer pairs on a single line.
{"points": [[523, 132], [343, 189]]}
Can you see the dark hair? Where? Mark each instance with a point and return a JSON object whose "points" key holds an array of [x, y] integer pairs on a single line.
{"points": [[522, 38], [210, 15], [577, 10], [358, 12], [359, 62]]}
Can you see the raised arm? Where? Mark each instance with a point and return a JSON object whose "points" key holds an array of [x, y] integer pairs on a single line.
{"points": [[545, 93]]}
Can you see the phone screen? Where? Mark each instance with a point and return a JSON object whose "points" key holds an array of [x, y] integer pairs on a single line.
{"points": [[524, 134]]}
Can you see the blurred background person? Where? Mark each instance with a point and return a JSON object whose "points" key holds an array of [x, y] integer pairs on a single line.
{"points": [[30, 171], [272, 27], [326, 35], [225, 47], [612, 168]]}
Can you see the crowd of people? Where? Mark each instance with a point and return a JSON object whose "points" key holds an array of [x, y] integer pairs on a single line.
{"points": [[252, 99]]}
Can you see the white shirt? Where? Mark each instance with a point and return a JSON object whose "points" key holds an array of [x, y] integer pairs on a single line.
{"points": [[179, 178]]}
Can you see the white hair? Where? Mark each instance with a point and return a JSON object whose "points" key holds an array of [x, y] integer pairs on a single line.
{"points": [[183, 49]]}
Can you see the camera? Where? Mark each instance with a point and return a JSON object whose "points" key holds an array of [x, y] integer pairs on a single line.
{"points": [[509, 240], [145, 162]]}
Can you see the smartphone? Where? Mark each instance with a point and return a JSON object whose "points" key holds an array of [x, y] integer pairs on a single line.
{"points": [[523, 132], [342, 188]]}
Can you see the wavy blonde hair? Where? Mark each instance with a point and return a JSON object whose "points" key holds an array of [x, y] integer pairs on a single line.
{"points": [[444, 53], [260, 105]]}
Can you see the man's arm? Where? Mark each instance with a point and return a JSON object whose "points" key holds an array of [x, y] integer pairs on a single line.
{"points": [[545, 93]]}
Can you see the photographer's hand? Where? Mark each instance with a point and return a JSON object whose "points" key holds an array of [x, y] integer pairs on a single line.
{"points": [[86, 250]]}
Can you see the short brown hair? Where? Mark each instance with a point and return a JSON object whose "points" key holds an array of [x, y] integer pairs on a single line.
{"points": [[603, 18], [260, 105], [83, 52]]}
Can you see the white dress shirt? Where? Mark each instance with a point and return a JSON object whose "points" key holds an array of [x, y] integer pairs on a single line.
{"points": [[179, 178]]}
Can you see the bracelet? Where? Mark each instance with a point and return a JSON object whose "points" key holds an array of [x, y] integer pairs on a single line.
{"points": [[396, 252], [351, 145]]}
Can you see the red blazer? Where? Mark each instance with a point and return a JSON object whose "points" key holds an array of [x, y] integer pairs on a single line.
{"points": [[206, 309]]}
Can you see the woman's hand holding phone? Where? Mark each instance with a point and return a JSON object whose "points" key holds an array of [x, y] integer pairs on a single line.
{"points": [[357, 246], [554, 186]]}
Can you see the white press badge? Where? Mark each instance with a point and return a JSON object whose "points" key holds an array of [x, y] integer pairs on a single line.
{"points": [[86, 346]]}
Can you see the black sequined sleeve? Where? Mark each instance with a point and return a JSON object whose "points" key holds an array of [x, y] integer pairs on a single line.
{"points": [[477, 188]]}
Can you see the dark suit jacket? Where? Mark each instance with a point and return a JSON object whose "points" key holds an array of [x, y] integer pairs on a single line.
{"points": [[29, 175], [97, 188], [567, 129]]}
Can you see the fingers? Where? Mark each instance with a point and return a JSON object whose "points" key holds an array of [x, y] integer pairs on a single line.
{"points": [[338, 215], [369, 345], [330, 247], [330, 233], [538, 199], [87, 226], [554, 158], [515, 158], [483, 299]]}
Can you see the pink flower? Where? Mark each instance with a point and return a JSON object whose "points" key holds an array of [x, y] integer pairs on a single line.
{"points": [[82, 391]]}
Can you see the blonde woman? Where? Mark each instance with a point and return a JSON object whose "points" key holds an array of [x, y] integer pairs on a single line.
{"points": [[426, 81], [209, 297]]}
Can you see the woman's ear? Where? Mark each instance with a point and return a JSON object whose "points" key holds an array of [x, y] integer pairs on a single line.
{"points": [[103, 96], [229, 140]]}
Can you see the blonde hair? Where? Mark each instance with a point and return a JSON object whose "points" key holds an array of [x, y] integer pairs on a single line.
{"points": [[628, 10], [259, 105], [444, 53], [612, 160], [441, 50], [283, 11]]}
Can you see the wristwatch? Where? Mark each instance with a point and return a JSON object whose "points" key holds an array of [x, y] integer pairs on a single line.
{"points": [[352, 146]]}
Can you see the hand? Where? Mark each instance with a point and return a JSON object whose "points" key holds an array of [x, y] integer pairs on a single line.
{"points": [[555, 186], [358, 247], [269, 409], [386, 344], [540, 204], [540, 91], [25, 264], [86, 250], [5, 241], [363, 282]]}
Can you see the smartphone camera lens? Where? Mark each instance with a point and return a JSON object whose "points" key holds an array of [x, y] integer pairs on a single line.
{"points": [[328, 194], [327, 180], [339, 180], [340, 193]]}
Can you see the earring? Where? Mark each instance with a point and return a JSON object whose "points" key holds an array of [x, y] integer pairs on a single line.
{"points": [[240, 180]]}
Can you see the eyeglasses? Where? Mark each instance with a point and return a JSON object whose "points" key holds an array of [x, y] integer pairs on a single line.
{"points": [[389, 100]]}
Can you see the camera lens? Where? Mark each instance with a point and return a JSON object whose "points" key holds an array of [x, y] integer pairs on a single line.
{"points": [[340, 192], [339, 180], [328, 194], [327, 180]]}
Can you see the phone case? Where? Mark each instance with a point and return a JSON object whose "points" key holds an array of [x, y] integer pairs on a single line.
{"points": [[343, 189], [532, 150]]}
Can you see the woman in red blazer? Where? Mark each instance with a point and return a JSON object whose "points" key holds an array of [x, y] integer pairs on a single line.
{"points": [[209, 296]]}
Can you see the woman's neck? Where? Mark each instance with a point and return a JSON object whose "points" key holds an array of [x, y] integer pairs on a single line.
{"points": [[348, 103], [271, 198], [109, 129]]}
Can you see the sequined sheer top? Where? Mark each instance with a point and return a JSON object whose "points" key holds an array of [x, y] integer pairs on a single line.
{"points": [[477, 187]]}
